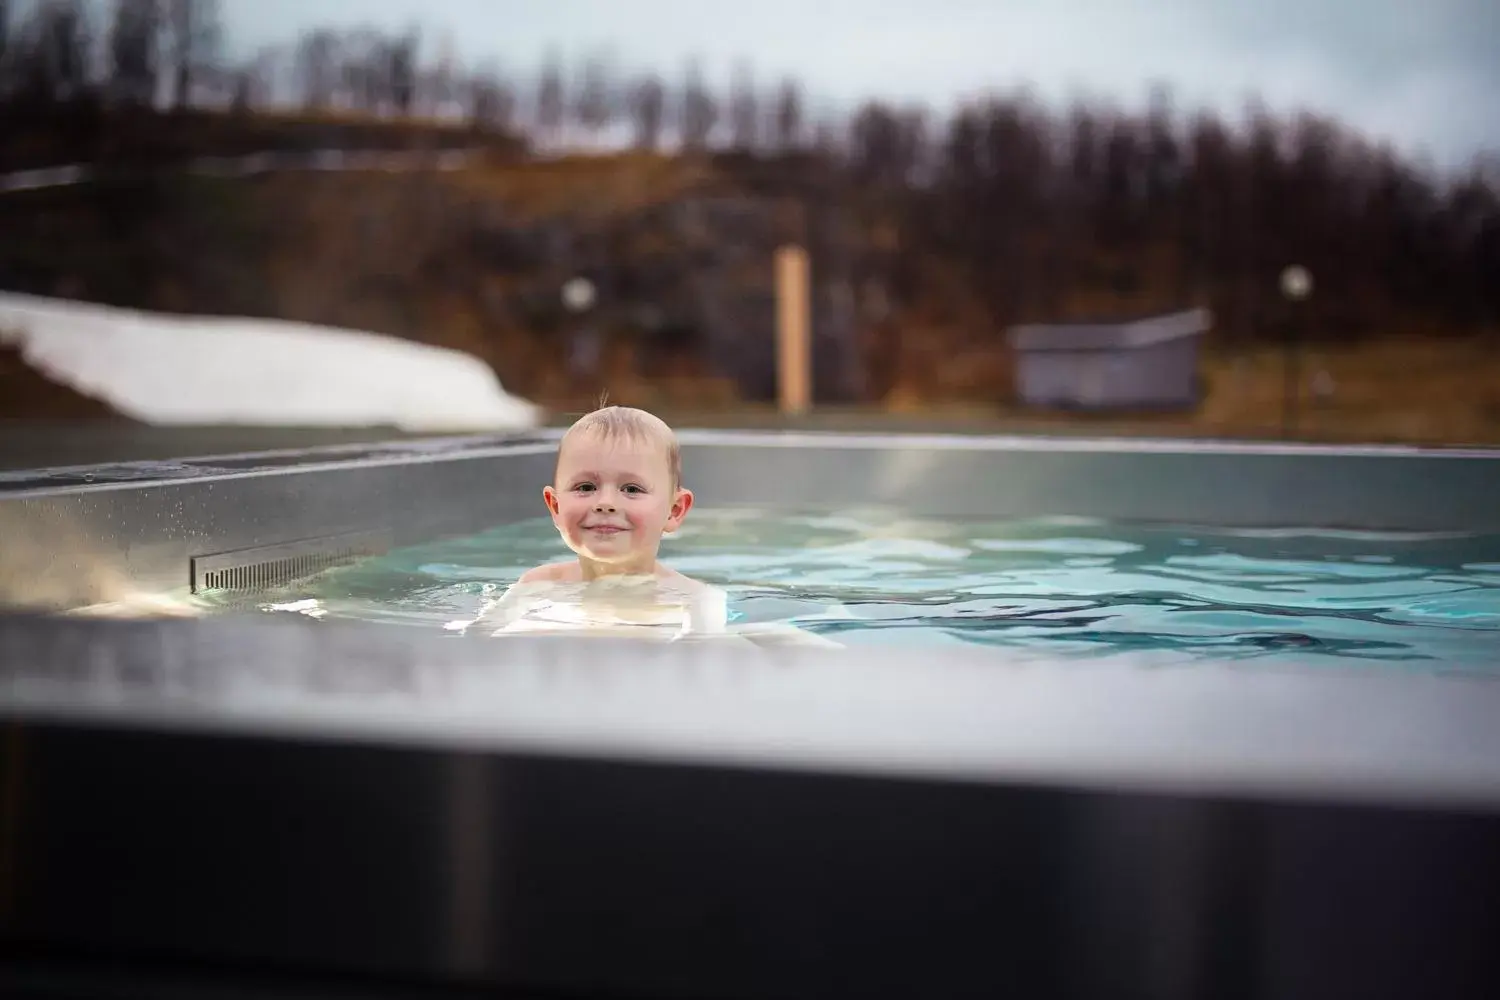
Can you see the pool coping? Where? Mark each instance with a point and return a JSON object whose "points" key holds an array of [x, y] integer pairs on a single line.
{"points": [[458, 447], [1144, 723]]}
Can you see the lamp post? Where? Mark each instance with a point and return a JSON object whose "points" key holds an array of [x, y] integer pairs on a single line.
{"points": [[1296, 286]]}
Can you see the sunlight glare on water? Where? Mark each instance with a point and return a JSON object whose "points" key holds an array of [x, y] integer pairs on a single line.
{"points": [[1070, 588]]}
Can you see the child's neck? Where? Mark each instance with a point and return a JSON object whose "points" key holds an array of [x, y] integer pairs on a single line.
{"points": [[590, 569]]}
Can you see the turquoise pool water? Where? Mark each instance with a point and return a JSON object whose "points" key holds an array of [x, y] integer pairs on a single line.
{"points": [[1066, 587]]}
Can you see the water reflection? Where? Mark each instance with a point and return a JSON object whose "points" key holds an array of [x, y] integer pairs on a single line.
{"points": [[1080, 589]]}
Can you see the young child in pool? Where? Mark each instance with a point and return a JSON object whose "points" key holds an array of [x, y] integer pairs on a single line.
{"points": [[616, 491]]}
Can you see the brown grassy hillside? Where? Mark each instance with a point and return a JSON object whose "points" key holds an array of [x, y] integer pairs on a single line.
{"points": [[26, 393], [680, 249]]}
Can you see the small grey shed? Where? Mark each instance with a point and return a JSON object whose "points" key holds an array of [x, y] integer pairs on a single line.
{"points": [[1146, 363]]}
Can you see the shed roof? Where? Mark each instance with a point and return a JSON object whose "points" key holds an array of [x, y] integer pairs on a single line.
{"points": [[1120, 335]]}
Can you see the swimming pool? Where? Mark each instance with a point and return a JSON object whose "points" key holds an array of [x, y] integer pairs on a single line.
{"points": [[1066, 587], [996, 772]]}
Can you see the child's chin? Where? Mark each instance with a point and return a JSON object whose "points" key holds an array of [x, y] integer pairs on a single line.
{"points": [[606, 553]]}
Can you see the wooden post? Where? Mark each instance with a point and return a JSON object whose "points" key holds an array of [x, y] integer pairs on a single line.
{"points": [[793, 332]]}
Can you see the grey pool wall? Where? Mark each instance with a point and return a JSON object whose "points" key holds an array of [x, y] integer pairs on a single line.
{"points": [[1171, 481], [266, 808], [82, 535]]}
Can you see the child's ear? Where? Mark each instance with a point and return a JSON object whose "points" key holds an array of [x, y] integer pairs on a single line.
{"points": [[549, 497], [681, 504]]}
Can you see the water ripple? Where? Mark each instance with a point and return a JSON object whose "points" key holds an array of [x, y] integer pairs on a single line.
{"points": [[1075, 589]]}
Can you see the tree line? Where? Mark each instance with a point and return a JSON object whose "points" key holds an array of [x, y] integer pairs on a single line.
{"points": [[1041, 211]]}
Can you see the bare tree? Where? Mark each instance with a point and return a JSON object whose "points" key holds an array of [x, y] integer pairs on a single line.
{"points": [[550, 107], [788, 124], [648, 107], [402, 70], [363, 70], [700, 113], [275, 72], [133, 37], [4, 44], [875, 145], [744, 109], [441, 81], [1208, 202], [961, 183], [52, 55], [826, 136], [1122, 190], [193, 37], [380, 85], [316, 60], [248, 89], [494, 100], [594, 104], [914, 151], [1163, 158], [1082, 152]]}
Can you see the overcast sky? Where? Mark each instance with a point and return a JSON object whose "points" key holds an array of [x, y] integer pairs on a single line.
{"points": [[1423, 73]]}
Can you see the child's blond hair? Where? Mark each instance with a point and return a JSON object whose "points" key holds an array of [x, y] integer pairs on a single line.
{"points": [[629, 424]]}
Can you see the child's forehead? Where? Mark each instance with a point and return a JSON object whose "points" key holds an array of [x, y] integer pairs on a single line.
{"points": [[612, 449]]}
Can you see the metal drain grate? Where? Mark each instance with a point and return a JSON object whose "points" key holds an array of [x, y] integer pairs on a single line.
{"points": [[271, 566]]}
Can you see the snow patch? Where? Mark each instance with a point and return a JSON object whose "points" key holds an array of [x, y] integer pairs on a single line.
{"points": [[163, 369]]}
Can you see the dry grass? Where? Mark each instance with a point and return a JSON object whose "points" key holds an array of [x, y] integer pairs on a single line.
{"points": [[1420, 391], [26, 393], [349, 116], [1397, 391], [588, 185], [944, 366]]}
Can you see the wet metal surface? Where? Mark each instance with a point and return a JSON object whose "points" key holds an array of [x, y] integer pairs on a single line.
{"points": [[166, 470], [83, 536], [343, 806]]}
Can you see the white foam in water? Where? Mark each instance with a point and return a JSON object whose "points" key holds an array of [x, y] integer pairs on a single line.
{"points": [[634, 607], [307, 606], [614, 605], [141, 604]]}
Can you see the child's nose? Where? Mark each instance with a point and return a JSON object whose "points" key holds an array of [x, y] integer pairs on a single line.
{"points": [[604, 505]]}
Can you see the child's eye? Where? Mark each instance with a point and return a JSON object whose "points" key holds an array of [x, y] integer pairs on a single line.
{"points": [[634, 489], [584, 488]]}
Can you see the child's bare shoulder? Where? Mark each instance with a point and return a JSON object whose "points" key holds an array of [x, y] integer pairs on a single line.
{"points": [[560, 572], [682, 581]]}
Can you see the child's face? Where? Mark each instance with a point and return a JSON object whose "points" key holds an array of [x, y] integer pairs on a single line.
{"points": [[613, 500]]}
